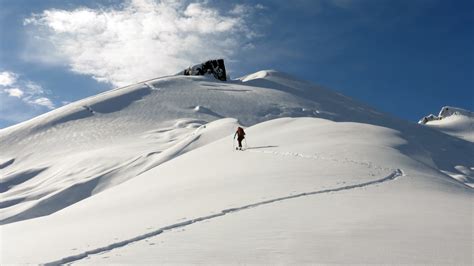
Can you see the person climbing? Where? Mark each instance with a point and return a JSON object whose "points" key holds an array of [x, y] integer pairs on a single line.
{"points": [[240, 136]]}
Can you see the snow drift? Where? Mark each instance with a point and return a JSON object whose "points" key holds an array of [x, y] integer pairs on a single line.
{"points": [[112, 172]]}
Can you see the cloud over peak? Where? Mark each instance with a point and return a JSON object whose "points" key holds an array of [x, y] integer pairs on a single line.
{"points": [[142, 39]]}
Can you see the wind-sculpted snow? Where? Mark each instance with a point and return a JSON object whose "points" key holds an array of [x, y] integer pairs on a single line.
{"points": [[287, 158], [18, 178], [176, 139], [108, 168], [6, 163], [104, 138], [70, 259]]}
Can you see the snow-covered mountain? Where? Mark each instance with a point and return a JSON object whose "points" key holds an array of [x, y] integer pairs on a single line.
{"points": [[148, 174], [453, 121]]}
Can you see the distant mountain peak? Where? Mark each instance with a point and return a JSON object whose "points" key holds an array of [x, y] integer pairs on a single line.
{"points": [[451, 120], [446, 111]]}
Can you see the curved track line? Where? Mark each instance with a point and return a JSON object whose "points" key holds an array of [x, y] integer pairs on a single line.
{"points": [[396, 173], [316, 156]]}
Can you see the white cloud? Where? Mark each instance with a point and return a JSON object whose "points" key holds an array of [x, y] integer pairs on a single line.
{"points": [[22, 99], [240, 9], [34, 88], [43, 101], [7, 78], [14, 110], [141, 39], [29, 92], [246, 10], [14, 92]]}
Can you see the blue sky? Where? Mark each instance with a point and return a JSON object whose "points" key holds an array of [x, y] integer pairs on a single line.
{"points": [[405, 57]]}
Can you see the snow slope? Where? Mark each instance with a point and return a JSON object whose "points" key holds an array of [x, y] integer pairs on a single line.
{"points": [[101, 141], [455, 121], [350, 180]]}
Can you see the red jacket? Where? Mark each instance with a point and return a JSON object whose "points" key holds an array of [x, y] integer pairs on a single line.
{"points": [[239, 133]]}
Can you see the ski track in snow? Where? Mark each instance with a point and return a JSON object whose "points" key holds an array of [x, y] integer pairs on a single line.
{"points": [[320, 157], [396, 173]]}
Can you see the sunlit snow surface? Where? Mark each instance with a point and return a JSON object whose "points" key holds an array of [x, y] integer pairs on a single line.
{"points": [[460, 125], [148, 174]]}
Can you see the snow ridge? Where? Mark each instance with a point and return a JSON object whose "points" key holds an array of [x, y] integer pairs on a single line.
{"points": [[392, 176]]}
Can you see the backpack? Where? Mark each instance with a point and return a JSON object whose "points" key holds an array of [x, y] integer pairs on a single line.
{"points": [[240, 132]]}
